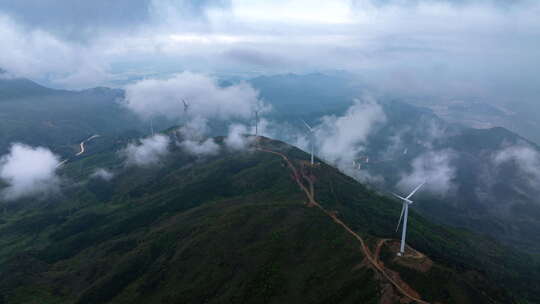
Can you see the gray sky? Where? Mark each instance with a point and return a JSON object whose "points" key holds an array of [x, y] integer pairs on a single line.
{"points": [[484, 48]]}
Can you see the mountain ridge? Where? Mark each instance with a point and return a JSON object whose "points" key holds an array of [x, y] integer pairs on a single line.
{"points": [[95, 230]]}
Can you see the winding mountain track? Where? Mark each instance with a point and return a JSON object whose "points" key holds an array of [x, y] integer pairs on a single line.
{"points": [[85, 141], [367, 253], [80, 152]]}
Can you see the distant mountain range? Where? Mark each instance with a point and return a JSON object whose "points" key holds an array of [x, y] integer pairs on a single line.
{"points": [[58, 119]]}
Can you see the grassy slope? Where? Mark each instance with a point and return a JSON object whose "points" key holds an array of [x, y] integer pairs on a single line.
{"points": [[230, 229]]}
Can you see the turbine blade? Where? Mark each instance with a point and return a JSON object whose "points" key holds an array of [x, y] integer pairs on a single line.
{"points": [[401, 216], [400, 197], [308, 126], [416, 189]]}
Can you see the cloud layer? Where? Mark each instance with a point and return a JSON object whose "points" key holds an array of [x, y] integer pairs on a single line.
{"points": [[526, 158], [28, 171], [193, 138], [237, 140], [148, 152], [342, 138], [477, 48], [432, 167], [153, 97]]}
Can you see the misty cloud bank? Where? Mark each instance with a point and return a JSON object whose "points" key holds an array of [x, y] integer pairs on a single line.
{"points": [[237, 139], [149, 151], [207, 100], [207, 147], [28, 172], [164, 97], [525, 157], [342, 138], [434, 168], [406, 47], [194, 139]]}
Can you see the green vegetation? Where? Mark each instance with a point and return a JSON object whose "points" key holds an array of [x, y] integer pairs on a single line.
{"points": [[231, 228]]}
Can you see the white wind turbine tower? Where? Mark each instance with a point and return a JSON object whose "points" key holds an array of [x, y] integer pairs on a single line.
{"points": [[312, 135], [404, 215], [256, 123]]}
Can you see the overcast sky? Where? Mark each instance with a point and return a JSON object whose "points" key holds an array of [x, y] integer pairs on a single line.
{"points": [[471, 46]]}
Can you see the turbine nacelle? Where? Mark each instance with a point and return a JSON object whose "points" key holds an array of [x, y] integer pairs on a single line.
{"points": [[404, 199]]}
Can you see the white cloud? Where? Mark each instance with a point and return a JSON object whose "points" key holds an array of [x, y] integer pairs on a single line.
{"points": [[237, 139], [341, 138], [207, 147], [152, 97], [526, 158], [103, 174], [432, 167], [40, 55], [195, 129], [193, 138], [28, 171], [399, 46], [148, 152]]}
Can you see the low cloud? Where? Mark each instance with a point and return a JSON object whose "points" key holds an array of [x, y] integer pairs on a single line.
{"points": [[148, 152], [237, 138], [342, 138], [433, 167], [64, 64], [193, 138], [28, 172], [526, 158], [206, 147], [163, 97], [103, 174], [195, 129]]}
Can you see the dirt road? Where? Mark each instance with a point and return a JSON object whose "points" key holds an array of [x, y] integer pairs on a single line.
{"points": [[83, 142], [367, 253]]}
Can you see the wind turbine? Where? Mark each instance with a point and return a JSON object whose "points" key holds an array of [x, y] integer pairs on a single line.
{"points": [[312, 133], [256, 123], [405, 211], [186, 106]]}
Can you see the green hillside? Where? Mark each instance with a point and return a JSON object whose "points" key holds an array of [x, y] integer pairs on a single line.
{"points": [[236, 228], [500, 200]]}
